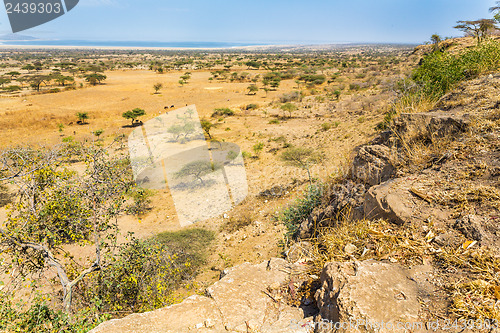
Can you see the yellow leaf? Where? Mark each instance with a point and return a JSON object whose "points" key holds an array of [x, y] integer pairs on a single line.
{"points": [[467, 245], [496, 292]]}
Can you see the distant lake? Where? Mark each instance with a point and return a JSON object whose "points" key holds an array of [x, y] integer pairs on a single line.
{"points": [[128, 44]]}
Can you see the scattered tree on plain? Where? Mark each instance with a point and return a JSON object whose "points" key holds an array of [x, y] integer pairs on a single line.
{"points": [[133, 115], [157, 87]]}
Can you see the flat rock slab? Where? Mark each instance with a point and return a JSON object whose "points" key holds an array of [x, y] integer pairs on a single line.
{"points": [[367, 293], [239, 302]]}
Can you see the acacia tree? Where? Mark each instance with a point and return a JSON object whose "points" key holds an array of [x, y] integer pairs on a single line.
{"points": [[301, 157], [37, 80], [95, 78], [289, 107], [197, 170], [56, 206], [252, 89], [497, 10], [478, 28]]}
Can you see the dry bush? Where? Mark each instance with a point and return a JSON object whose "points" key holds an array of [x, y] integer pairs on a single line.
{"points": [[238, 221]]}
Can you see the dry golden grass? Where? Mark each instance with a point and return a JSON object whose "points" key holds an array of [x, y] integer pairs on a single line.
{"points": [[476, 294], [364, 239]]}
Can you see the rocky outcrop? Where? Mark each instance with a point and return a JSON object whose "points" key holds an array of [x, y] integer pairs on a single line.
{"points": [[368, 296], [345, 201], [372, 165], [436, 123], [244, 300]]}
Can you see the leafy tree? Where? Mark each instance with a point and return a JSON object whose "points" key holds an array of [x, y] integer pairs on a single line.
{"points": [[436, 39], [157, 87], [197, 170], [252, 89], [289, 107], [266, 89], [57, 206], [82, 117], [185, 78], [275, 83], [301, 157], [497, 10], [133, 114], [145, 274], [207, 126]]}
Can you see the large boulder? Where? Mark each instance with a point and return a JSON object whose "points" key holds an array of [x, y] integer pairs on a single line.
{"points": [[389, 201], [372, 164], [359, 296], [242, 301]]}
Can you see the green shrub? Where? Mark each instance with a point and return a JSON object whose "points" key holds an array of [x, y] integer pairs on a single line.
{"points": [[222, 112], [295, 213], [251, 107], [145, 274], [326, 126], [440, 71], [257, 148], [274, 121], [41, 318]]}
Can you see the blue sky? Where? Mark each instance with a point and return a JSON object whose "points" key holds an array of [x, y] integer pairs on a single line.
{"points": [[270, 21]]}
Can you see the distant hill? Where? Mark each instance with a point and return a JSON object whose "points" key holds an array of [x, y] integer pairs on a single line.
{"points": [[16, 37]]}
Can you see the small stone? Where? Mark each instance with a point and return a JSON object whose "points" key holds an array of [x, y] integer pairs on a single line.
{"points": [[226, 216], [350, 248], [199, 325]]}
